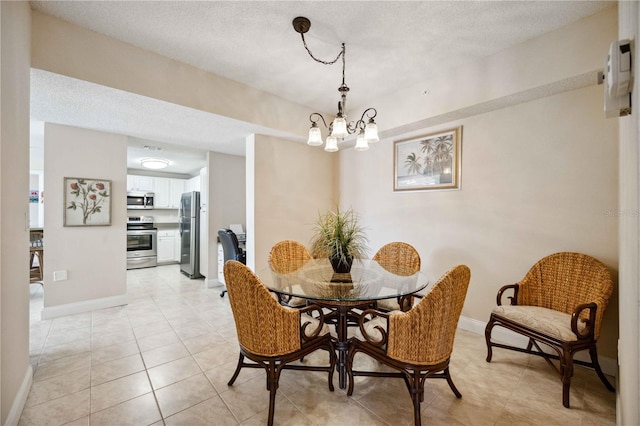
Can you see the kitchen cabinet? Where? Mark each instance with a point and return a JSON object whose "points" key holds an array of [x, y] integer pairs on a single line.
{"points": [[168, 192], [140, 183], [167, 246], [176, 189]]}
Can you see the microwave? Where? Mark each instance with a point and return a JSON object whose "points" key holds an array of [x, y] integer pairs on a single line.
{"points": [[140, 200]]}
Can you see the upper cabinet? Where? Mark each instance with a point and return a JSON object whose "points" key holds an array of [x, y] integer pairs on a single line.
{"points": [[167, 190], [140, 183]]}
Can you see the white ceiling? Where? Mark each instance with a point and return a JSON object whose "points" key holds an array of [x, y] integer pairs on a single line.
{"points": [[390, 44]]}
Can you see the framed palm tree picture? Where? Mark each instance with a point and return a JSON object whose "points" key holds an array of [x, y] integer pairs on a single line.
{"points": [[428, 162]]}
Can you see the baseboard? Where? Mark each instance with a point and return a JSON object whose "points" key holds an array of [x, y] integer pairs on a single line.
{"points": [[21, 399], [609, 365], [51, 312]]}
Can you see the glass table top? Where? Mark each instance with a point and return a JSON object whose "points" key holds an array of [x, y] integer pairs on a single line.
{"points": [[368, 280]]}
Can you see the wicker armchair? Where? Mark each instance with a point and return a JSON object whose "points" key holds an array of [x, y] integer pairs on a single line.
{"points": [[271, 335], [401, 259], [419, 342], [559, 303], [285, 257]]}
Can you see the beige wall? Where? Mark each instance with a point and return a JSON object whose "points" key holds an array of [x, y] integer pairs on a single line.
{"points": [[15, 372], [537, 178], [94, 256], [228, 203], [629, 375], [288, 184]]}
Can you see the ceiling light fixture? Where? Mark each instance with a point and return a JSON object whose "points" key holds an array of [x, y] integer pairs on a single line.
{"points": [[154, 163], [339, 128]]}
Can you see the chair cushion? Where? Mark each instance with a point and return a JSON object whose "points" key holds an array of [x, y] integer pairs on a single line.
{"points": [[389, 304], [370, 327], [305, 318], [548, 321], [297, 302]]}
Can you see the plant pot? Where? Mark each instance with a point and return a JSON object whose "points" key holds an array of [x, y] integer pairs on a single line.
{"points": [[339, 266]]}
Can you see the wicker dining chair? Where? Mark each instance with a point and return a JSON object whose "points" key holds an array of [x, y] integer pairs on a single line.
{"points": [[285, 257], [559, 303], [271, 335], [419, 342], [401, 259]]}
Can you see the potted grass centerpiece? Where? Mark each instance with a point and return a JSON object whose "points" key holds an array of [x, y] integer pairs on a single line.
{"points": [[338, 236]]}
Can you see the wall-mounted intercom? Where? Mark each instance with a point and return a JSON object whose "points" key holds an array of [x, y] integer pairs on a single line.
{"points": [[618, 79]]}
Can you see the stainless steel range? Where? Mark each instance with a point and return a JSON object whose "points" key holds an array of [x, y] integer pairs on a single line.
{"points": [[142, 242]]}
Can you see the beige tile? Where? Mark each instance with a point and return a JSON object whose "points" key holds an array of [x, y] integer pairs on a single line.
{"points": [[173, 371], [61, 337], [51, 353], [115, 369], [116, 391], [103, 340], [220, 375], [203, 342], [46, 390], [158, 340], [155, 357], [57, 411], [285, 414], [211, 411], [82, 421], [184, 394], [221, 354], [109, 353], [62, 366], [120, 325], [149, 329], [513, 389], [142, 410], [193, 329]]}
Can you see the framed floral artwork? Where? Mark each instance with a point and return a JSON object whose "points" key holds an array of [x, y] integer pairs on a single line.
{"points": [[87, 202], [428, 162]]}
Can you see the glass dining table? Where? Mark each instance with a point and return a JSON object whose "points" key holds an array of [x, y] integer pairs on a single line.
{"points": [[367, 282]]}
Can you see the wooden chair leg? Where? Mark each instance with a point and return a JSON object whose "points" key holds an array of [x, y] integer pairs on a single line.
{"points": [[567, 371], [455, 390], [593, 352], [487, 337], [350, 355], [417, 394], [238, 368]]}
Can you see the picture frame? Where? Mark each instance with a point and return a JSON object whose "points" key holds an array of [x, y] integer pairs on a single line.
{"points": [[87, 202], [429, 162]]}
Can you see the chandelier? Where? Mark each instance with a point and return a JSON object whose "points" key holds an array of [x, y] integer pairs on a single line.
{"points": [[367, 131]]}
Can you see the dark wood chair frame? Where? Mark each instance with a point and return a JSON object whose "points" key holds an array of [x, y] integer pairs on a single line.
{"points": [[274, 365], [565, 349], [414, 375]]}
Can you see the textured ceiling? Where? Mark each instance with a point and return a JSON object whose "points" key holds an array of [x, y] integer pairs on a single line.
{"points": [[389, 44]]}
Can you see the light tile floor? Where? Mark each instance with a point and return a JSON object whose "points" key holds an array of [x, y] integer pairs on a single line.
{"points": [[165, 359]]}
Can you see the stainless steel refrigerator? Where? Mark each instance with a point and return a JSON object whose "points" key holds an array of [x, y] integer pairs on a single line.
{"points": [[189, 226]]}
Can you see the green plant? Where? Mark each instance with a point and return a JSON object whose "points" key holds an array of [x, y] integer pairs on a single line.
{"points": [[338, 236]]}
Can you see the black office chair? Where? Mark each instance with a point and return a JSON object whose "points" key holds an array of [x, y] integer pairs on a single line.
{"points": [[231, 249]]}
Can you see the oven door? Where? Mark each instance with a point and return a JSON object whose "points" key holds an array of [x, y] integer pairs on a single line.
{"points": [[142, 243]]}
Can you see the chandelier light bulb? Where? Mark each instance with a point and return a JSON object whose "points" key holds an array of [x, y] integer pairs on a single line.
{"points": [[315, 137], [332, 144], [371, 132], [339, 127], [361, 142]]}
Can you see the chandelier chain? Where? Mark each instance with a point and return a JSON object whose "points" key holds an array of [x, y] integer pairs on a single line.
{"points": [[320, 60]]}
